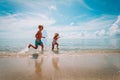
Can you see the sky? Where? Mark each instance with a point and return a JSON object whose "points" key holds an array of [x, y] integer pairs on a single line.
{"points": [[70, 18]]}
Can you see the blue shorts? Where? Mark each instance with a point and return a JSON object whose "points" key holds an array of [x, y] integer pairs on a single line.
{"points": [[38, 42]]}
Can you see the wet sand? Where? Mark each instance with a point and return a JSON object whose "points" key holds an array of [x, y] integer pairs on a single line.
{"points": [[61, 66]]}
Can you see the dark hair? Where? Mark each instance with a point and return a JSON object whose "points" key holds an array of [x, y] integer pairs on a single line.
{"points": [[40, 26]]}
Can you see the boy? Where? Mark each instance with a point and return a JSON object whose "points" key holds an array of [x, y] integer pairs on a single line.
{"points": [[38, 37]]}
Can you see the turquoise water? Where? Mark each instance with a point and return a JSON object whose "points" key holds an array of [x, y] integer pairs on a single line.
{"points": [[91, 44], [16, 45]]}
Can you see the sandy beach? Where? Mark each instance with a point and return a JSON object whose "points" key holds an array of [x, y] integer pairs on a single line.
{"points": [[84, 65]]}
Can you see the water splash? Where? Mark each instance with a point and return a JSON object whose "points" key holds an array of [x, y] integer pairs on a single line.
{"points": [[26, 49]]}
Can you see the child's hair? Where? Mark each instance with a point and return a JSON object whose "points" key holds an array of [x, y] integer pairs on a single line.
{"points": [[40, 26], [56, 34]]}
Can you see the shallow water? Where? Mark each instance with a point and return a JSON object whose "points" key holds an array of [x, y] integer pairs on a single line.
{"points": [[17, 45]]}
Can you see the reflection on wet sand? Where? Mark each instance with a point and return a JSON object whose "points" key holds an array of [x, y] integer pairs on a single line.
{"points": [[38, 67], [87, 66], [62, 67], [55, 61]]}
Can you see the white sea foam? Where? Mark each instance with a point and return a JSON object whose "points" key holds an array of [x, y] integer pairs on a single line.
{"points": [[26, 49]]}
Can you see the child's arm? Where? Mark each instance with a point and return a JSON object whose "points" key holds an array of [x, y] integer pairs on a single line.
{"points": [[58, 37], [36, 35], [43, 37]]}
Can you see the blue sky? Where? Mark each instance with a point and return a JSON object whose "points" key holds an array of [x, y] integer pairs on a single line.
{"points": [[70, 18]]}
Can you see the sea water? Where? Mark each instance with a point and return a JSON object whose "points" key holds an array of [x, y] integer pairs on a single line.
{"points": [[16, 45]]}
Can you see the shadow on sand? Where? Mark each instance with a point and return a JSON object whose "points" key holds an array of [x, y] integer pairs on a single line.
{"points": [[36, 55], [56, 51]]}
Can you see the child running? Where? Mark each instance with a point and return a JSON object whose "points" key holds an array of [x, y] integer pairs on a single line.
{"points": [[54, 42], [38, 37]]}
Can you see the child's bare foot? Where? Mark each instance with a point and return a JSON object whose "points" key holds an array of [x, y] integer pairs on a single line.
{"points": [[42, 49], [29, 45], [52, 49]]}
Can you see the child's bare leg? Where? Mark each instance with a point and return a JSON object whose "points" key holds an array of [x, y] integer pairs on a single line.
{"points": [[57, 45], [52, 46], [30, 45], [42, 47]]}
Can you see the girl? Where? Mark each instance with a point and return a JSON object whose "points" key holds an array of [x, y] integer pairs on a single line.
{"points": [[54, 42]]}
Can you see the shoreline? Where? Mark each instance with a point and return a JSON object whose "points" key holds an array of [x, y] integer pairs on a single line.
{"points": [[62, 52]]}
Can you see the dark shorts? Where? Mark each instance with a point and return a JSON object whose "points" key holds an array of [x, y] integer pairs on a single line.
{"points": [[38, 42]]}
